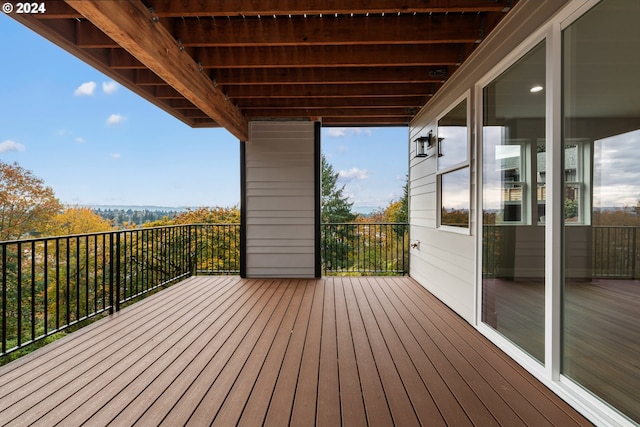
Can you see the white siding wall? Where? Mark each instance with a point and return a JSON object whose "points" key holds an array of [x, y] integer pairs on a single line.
{"points": [[280, 207], [445, 262]]}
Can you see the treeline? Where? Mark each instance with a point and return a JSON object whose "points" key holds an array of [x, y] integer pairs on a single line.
{"points": [[125, 217]]}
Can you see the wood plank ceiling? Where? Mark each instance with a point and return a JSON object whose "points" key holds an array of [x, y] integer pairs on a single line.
{"points": [[225, 62]]}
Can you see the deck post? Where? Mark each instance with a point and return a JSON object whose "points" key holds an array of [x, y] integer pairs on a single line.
{"points": [[280, 199]]}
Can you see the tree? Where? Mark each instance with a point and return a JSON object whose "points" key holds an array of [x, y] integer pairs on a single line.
{"points": [[76, 220], [337, 243], [26, 204], [335, 205], [215, 215], [212, 248], [78, 274], [382, 244]]}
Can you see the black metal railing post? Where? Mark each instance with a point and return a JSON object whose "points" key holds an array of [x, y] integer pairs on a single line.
{"points": [[19, 292], [118, 278], [634, 253], [4, 299], [188, 250], [111, 271]]}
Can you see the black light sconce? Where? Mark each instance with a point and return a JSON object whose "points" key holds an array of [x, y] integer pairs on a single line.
{"points": [[423, 144]]}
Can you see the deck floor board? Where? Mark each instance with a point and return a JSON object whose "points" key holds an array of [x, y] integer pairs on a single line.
{"points": [[223, 350]]}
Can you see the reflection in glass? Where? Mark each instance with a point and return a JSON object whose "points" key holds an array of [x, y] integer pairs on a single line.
{"points": [[455, 198], [454, 180], [453, 137], [513, 193], [601, 295], [541, 181]]}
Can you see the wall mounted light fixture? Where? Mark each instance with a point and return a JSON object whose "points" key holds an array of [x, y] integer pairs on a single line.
{"points": [[423, 144]]}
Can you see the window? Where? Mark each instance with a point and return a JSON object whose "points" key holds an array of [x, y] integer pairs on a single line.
{"points": [[453, 168], [577, 172]]}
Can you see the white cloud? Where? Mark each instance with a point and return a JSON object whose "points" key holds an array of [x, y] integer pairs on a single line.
{"points": [[115, 119], [85, 89], [80, 140], [115, 156], [337, 132], [109, 87], [8, 146], [353, 174], [343, 132]]}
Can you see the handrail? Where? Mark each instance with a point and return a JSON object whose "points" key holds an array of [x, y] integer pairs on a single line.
{"points": [[365, 248], [50, 284], [612, 251]]}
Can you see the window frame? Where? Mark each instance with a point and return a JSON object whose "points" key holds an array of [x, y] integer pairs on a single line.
{"points": [[455, 167]]}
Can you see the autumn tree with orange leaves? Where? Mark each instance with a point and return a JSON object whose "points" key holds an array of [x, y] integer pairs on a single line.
{"points": [[26, 204]]}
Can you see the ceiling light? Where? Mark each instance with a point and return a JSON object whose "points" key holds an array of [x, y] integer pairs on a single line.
{"points": [[536, 88]]}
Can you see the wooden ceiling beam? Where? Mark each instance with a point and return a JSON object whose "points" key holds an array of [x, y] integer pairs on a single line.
{"points": [[181, 8], [303, 76], [306, 32], [331, 56], [313, 57], [132, 26], [248, 104], [365, 121], [333, 91], [392, 30], [209, 62], [333, 112]]}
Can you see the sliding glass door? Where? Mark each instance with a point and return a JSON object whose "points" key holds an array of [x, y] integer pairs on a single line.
{"points": [[514, 198], [601, 295]]}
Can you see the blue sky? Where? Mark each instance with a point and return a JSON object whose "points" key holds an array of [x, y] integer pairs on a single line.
{"points": [[96, 143]]}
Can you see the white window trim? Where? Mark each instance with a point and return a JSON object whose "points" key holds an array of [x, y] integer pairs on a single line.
{"points": [[465, 164]]}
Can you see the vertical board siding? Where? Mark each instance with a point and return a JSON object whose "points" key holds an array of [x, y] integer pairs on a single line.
{"points": [[280, 222]]}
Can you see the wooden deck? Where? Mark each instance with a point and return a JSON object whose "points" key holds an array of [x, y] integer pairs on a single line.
{"points": [[229, 351]]}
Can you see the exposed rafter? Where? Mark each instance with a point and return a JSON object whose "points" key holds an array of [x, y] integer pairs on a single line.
{"points": [[315, 31], [224, 62], [224, 8]]}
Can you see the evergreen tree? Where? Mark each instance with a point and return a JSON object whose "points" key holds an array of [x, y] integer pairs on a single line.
{"points": [[337, 243], [404, 209], [335, 205]]}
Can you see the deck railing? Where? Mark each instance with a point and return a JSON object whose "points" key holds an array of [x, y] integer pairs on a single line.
{"points": [[365, 249], [609, 251], [615, 252], [51, 284]]}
